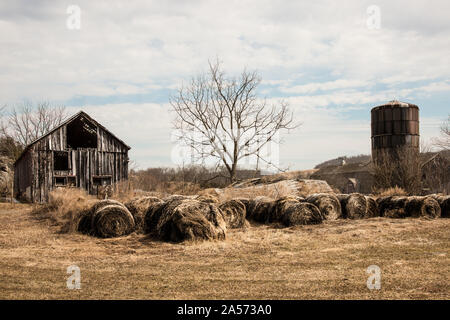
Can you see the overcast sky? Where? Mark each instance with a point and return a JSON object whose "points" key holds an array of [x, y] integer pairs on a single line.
{"points": [[328, 59]]}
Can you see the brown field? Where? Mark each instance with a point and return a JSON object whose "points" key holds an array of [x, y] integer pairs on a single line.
{"points": [[326, 261]]}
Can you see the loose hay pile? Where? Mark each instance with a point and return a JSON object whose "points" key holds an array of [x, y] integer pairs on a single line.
{"points": [[139, 207], [111, 219], [208, 198], [354, 205], [234, 214], [190, 219], [328, 204], [302, 213]]}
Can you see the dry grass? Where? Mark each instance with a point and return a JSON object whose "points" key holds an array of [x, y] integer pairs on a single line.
{"points": [[394, 191], [274, 191], [65, 208], [326, 261]]}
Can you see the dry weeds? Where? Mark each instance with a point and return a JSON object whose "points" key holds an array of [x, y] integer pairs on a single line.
{"points": [[326, 261]]}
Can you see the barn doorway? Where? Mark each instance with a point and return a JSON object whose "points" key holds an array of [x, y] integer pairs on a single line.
{"points": [[81, 133]]}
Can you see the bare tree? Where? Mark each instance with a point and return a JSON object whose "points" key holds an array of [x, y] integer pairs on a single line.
{"points": [[443, 142], [400, 167], [222, 118], [25, 122]]}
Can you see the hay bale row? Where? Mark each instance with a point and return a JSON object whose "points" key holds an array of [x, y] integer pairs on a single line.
{"points": [[182, 218], [286, 210], [353, 205], [190, 219], [328, 204]]}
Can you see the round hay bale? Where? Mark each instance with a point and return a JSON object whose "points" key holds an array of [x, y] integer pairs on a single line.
{"points": [[280, 207], [138, 208], [328, 204], [112, 221], [84, 223], [208, 198], [372, 208], [444, 202], [260, 209], [234, 212], [246, 202], [353, 205], [301, 213], [103, 203], [393, 207], [422, 207], [190, 220], [382, 203], [154, 213], [342, 196]]}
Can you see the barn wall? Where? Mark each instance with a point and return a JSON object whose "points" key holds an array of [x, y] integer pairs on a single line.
{"points": [[23, 178], [35, 169]]}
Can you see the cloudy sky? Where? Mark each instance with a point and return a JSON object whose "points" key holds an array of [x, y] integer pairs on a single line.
{"points": [[331, 60]]}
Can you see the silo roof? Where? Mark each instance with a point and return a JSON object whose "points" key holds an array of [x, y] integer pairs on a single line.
{"points": [[396, 103]]}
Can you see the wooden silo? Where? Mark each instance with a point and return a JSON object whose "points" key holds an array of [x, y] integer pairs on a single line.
{"points": [[394, 125]]}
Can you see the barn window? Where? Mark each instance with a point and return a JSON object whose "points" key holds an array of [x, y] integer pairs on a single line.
{"points": [[101, 180], [60, 181], [81, 133], [72, 181], [61, 160]]}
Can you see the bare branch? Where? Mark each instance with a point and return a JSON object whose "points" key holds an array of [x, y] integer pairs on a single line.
{"points": [[222, 118], [25, 122]]}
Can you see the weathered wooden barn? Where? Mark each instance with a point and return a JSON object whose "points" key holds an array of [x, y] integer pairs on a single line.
{"points": [[78, 153]]}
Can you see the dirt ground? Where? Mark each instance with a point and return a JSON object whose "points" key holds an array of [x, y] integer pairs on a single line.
{"points": [[326, 261]]}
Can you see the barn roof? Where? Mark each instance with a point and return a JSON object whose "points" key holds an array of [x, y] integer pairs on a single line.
{"points": [[70, 119]]}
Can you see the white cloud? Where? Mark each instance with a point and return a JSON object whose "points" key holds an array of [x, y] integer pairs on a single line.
{"points": [[319, 54]]}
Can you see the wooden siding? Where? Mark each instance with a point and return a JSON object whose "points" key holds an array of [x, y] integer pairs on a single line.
{"points": [[35, 169]]}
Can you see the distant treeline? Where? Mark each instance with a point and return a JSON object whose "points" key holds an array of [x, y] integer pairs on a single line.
{"points": [[185, 179]]}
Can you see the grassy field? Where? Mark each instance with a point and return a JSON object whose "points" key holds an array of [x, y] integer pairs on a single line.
{"points": [[325, 261]]}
